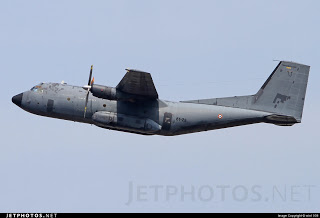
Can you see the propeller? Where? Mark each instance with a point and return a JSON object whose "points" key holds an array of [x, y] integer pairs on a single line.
{"points": [[88, 87]]}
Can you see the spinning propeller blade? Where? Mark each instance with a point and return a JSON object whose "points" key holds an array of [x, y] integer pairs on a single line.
{"points": [[88, 87]]}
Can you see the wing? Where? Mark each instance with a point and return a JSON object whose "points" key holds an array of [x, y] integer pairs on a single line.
{"points": [[138, 83]]}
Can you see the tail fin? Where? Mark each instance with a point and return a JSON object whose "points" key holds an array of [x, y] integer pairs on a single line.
{"points": [[284, 91], [283, 95]]}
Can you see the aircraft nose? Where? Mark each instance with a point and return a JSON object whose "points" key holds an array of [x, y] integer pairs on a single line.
{"points": [[17, 99]]}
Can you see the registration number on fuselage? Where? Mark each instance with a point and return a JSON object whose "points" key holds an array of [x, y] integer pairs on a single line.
{"points": [[181, 119]]}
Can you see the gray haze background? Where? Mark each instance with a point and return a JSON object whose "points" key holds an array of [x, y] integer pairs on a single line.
{"points": [[194, 49]]}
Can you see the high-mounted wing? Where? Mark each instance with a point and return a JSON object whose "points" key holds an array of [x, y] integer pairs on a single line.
{"points": [[138, 83]]}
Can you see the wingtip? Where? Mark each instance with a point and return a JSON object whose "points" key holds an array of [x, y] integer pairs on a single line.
{"points": [[136, 71]]}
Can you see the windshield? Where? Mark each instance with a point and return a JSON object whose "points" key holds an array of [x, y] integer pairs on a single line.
{"points": [[37, 88]]}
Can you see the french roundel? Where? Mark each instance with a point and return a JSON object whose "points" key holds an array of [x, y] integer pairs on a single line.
{"points": [[220, 116]]}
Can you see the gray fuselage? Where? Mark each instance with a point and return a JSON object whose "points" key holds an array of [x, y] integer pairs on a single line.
{"points": [[154, 117]]}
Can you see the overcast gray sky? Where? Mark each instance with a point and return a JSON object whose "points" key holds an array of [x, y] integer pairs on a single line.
{"points": [[194, 49]]}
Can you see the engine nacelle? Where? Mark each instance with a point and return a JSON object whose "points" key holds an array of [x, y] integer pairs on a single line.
{"points": [[104, 92], [125, 122], [110, 93]]}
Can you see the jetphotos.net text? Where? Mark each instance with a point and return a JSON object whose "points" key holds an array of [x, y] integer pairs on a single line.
{"points": [[138, 193]]}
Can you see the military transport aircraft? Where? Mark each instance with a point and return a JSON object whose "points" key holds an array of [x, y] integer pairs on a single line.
{"points": [[133, 106]]}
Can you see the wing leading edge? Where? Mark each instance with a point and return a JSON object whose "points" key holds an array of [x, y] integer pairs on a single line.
{"points": [[139, 83]]}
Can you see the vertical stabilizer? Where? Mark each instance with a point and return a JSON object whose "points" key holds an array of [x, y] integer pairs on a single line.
{"points": [[284, 91]]}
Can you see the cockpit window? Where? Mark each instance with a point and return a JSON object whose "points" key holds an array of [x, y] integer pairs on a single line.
{"points": [[37, 88]]}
